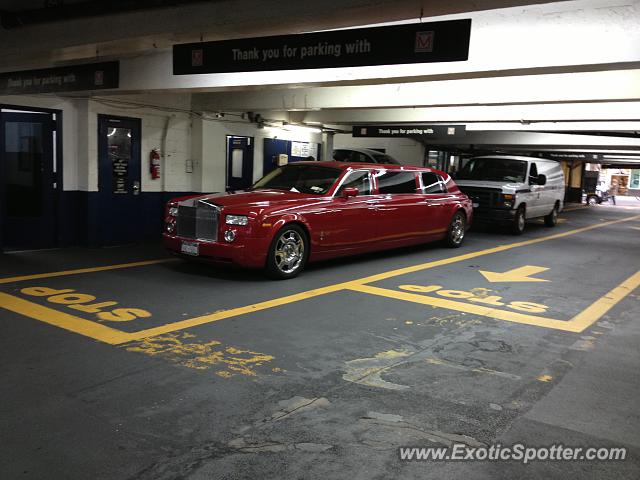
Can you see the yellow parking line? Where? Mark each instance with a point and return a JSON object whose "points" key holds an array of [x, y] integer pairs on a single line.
{"points": [[464, 307], [605, 303], [577, 324], [234, 312], [193, 322], [62, 273], [63, 320], [109, 335]]}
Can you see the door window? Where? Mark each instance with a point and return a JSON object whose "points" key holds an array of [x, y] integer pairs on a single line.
{"points": [[360, 180], [119, 151], [396, 182], [237, 158], [24, 169], [433, 183]]}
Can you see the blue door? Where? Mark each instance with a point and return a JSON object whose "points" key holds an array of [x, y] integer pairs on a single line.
{"points": [[27, 181], [239, 162], [118, 218]]}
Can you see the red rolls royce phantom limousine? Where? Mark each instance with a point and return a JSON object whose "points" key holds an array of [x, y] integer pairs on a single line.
{"points": [[308, 211]]}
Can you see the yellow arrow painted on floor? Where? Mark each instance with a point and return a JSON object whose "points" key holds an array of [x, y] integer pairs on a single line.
{"points": [[521, 274]]}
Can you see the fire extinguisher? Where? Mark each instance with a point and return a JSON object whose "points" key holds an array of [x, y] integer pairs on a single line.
{"points": [[154, 163]]}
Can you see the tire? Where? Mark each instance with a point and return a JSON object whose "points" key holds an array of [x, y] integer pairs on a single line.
{"points": [[288, 252], [456, 231], [551, 220], [517, 227], [592, 200]]}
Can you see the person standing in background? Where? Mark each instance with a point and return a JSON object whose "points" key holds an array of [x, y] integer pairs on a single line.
{"points": [[613, 191]]}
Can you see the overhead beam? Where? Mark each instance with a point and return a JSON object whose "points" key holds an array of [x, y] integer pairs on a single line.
{"points": [[526, 114], [573, 87]]}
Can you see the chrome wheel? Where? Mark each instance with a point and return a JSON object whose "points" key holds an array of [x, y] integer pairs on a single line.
{"points": [[289, 251], [457, 229]]}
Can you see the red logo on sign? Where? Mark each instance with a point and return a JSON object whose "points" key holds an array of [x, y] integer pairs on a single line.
{"points": [[98, 78], [424, 42]]}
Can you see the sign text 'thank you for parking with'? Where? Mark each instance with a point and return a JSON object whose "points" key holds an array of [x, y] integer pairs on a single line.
{"points": [[446, 41]]}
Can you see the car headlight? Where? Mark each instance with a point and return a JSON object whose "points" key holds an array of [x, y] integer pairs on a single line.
{"points": [[173, 211], [237, 220]]}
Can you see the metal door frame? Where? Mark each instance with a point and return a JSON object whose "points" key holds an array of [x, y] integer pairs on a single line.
{"points": [[59, 164]]}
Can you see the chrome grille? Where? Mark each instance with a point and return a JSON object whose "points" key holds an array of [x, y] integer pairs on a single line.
{"points": [[484, 197], [207, 221], [198, 222]]}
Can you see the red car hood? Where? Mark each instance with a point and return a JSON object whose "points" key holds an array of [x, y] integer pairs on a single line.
{"points": [[260, 199]]}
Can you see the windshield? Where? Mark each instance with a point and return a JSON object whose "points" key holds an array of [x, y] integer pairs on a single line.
{"points": [[300, 178], [494, 169]]}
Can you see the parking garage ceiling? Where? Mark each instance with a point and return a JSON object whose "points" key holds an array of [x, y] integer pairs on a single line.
{"points": [[540, 75]]}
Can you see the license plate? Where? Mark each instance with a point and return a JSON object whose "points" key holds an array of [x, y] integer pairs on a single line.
{"points": [[190, 248], [475, 205]]}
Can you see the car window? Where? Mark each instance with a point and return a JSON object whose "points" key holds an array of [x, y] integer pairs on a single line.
{"points": [[433, 183], [300, 178], [493, 169], [396, 182], [383, 158], [359, 157], [359, 179], [533, 171]]}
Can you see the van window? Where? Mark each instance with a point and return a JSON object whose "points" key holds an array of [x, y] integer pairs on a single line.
{"points": [[397, 182], [494, 169], [433, 183], [533, 171]]}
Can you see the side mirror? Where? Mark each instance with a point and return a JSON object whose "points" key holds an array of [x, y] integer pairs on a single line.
{"points": [[537, 180], [350, 192], [542, 179]]}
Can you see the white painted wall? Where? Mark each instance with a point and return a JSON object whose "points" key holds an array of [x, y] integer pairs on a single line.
{"points": [[80, 136], [214, 148], [170, 112], [405, 150]]}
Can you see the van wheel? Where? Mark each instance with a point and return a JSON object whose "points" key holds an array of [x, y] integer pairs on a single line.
{"points": [[551, 220], [456, 231], [517, 227], [592, 200]]}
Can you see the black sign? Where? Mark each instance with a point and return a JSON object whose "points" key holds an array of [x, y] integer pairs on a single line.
{"points": [[120, 172], [93, 76], [570, 156], [414, 43], [440, 131]]}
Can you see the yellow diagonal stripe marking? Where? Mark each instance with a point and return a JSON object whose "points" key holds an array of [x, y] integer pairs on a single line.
{"points": [[63, 320], [77, 271], [467, 308]]}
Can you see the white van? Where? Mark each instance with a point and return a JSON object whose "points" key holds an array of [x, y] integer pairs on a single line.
{"points": [[512, 189]]}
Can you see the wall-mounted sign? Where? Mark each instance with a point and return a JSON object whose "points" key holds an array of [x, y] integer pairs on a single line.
{"points": [[120, 172], [439, 131], [73, 78], [446, 41], [570, 156], [303, 149]]}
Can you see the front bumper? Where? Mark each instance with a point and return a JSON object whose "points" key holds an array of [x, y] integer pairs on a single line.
{"points": [[500, 215], [249, 252]]}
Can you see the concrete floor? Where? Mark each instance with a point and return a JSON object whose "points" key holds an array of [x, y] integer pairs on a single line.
{"points": [[327, 375]]}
